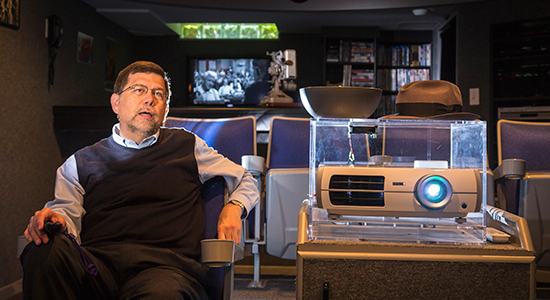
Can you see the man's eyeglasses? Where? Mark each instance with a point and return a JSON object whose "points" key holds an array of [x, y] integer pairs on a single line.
{"points": [[141, 90]]}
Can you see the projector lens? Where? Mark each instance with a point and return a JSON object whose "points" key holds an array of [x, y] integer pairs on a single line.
{"points": [[433, 191]]}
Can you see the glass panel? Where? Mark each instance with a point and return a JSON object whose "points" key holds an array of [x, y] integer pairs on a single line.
{"points": [[232, 31], [226, 30], [212, 31], [269, 31], [192, 31], [250, 31]]}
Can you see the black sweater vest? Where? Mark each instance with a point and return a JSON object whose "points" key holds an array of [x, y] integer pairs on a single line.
{"points": [[150, 196]]}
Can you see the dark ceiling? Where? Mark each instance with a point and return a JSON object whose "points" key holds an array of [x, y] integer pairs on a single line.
{"points": [[149, 18]]}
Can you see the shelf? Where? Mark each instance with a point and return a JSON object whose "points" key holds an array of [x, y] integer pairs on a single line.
{"points": [[350, 61], [522, 38], [407, 54], [523, 29], [394, 78], [401, 67], [339, 63], [525, 99], [521, 61], [521, 57]]}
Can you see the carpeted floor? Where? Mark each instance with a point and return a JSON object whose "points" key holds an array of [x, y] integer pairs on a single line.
{"points": [[284, 288], [276, 287]]}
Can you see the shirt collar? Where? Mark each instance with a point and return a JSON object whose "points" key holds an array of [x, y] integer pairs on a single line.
{"points": [[131, 144]]}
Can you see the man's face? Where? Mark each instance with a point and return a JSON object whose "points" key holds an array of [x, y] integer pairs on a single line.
{"points": [[209, 82], [140, 116]]}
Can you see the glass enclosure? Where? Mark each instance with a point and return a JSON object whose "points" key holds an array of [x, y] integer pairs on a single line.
{"points": [[398, 180]]}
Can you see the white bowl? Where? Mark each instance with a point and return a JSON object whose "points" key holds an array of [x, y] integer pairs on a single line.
{"points": [[340, 101]]}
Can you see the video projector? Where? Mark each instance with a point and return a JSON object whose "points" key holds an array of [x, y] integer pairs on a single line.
{"points": [[398, 191]]}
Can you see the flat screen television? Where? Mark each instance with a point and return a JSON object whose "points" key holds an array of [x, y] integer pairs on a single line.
{"points": [[228, 81]]}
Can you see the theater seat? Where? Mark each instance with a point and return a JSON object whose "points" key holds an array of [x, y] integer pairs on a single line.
{"points": [[523, 179], [234, 138], [219, 255], [287, 183]]}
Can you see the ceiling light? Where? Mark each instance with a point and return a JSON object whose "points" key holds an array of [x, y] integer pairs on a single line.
{"points": [[235, 31], [420, 11]]}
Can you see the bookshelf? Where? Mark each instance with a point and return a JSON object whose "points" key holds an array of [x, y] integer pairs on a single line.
{"points": [[401, 57], [520, 73], [373, 58], [399, 65], [349, 62], [521, 62]]}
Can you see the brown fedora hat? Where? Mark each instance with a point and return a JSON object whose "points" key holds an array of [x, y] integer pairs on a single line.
{"points": [[434, 99]]}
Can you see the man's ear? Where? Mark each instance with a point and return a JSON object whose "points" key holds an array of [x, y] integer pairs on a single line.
{"points": [[115, 99]]}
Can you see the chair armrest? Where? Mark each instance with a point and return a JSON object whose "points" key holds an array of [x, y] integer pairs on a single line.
{"points": [[220, 253], [512, 169], [254, 164], [512, 224], [303, 223]]}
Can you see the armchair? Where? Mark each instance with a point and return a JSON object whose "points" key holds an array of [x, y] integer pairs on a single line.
{"points": [[235, 138], [219, 255], [523, 179], [287, 183]]}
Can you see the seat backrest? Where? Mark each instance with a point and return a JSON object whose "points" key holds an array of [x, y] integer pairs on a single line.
{"points": [[528, 141], [524, 140], [232, 137], [286, 183], [288, 145]]}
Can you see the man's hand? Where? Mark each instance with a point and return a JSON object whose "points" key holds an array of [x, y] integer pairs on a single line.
{"points": [[229, 223], [36, 231]]}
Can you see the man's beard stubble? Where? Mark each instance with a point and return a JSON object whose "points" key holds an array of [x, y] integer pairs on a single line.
{"points": [[148, 130]]}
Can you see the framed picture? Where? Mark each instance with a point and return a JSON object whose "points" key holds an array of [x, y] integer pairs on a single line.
{"points": [[85, 49], [9, 13]]}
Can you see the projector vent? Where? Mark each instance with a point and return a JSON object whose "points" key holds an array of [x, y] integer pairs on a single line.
{"points": [[356, 190], [357, 182]]}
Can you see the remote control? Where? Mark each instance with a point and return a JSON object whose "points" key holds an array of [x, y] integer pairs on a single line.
{"points": [[497, 236], [53, 227]]}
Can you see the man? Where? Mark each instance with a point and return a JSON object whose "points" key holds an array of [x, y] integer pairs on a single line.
{"points": [[130, 206], [226, 90], [210, 93]]}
